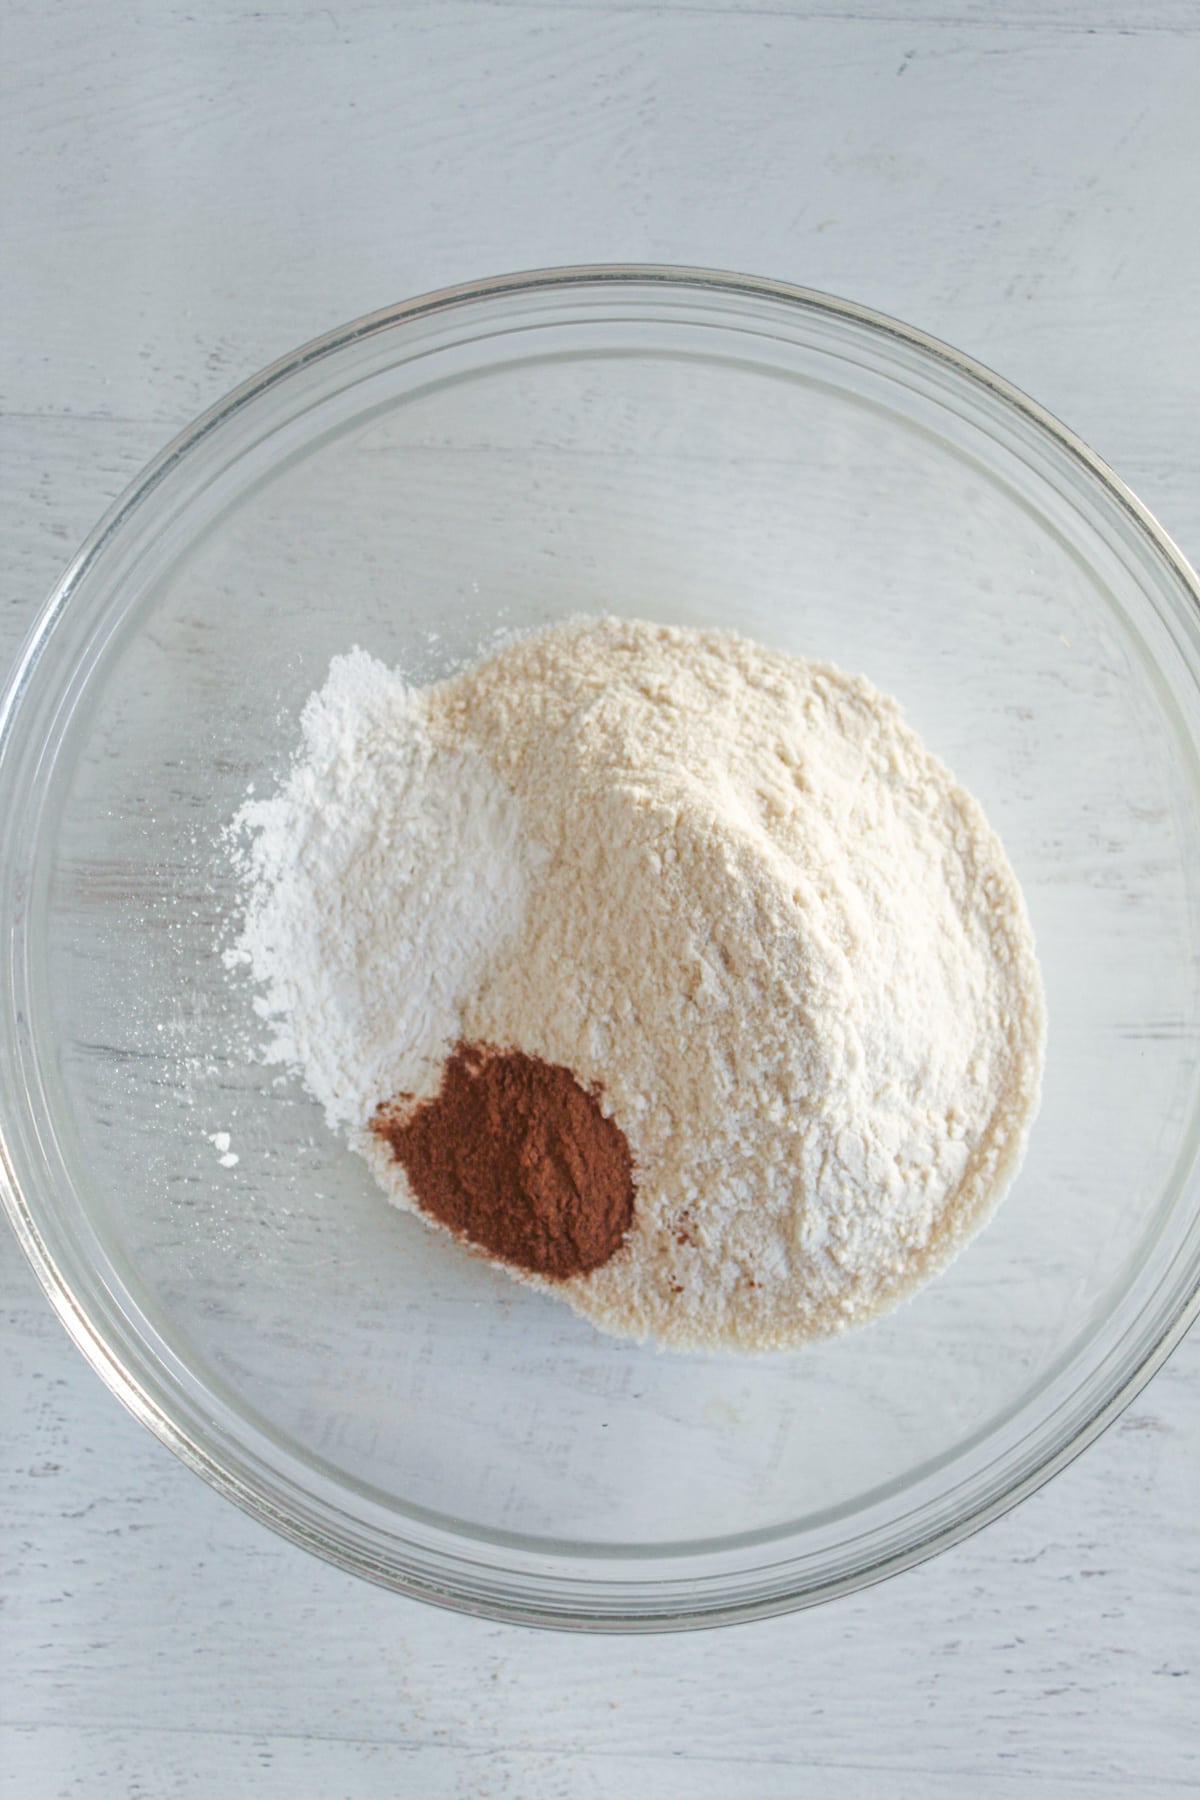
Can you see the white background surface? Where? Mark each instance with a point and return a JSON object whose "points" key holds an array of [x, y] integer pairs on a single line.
{"points": [[187, 194]]}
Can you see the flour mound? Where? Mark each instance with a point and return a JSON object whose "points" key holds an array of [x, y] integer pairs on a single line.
{"points": [[736, 894]]}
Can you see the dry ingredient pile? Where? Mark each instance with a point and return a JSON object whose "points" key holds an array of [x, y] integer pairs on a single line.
{"points": [[669, 972]]}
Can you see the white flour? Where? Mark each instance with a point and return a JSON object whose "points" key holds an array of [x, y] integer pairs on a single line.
{"points": [[380, 878], [728, 886]]}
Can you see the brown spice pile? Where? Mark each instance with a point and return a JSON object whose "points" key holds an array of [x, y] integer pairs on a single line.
{"points": [[514, 1155]]}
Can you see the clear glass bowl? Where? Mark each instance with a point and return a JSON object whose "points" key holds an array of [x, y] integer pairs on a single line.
{"points": [[689, 447]]}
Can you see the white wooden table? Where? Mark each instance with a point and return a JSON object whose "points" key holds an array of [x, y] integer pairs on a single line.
{"points": [[187, 192]]}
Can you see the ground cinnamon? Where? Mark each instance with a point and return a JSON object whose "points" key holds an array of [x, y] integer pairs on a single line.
{"points": [[515, 1155]]}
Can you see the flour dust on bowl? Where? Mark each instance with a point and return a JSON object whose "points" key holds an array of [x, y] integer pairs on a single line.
{"points": [[713, 454]]}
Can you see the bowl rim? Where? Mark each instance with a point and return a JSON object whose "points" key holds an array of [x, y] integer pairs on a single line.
{"points": [[482, 1600]]}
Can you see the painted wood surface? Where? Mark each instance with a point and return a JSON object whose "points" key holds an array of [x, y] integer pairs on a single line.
{"points": [[189, 193]]}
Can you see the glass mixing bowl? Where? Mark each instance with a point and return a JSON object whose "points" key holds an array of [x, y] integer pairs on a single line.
{"points": [[689, 447]]}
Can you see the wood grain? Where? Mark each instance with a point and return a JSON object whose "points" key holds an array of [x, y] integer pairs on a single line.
{"points": [[190, 193]]}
